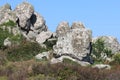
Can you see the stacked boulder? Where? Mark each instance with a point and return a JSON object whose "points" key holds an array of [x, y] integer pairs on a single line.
{"points": [[6, 14], [73, 42], [29, 23]]}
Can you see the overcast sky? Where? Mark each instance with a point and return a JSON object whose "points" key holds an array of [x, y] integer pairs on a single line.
{"points": [[101, 16]]}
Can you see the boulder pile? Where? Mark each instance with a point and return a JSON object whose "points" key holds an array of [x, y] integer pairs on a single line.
{"points": [[72, 42]]}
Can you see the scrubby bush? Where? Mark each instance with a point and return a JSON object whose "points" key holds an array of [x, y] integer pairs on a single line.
{"points": [[116, 60], [10, 23], [3, 35], [25, 51], [99, 51]]}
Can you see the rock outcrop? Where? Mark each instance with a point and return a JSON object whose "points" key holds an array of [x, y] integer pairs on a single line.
{"points": [[6, 14], [43, 36], [30, 22], [110, 42], [73, 42], [24, 12]]}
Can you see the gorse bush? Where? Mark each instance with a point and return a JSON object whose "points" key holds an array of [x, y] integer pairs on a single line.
{"points": [[99, 50]]}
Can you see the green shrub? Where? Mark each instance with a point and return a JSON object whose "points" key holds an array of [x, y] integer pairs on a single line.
{"points": [[116, 58], [9, 23], [13, 38], [24, 51], [3, 35], [99, 49]]}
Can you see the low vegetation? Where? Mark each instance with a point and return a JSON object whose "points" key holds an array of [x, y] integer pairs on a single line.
{"points": [[17, 62], [9, 23], [100, 51], [32, 70]]}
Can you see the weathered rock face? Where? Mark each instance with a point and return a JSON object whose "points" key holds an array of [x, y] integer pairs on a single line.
{"points": [[110, 43], [29, 21], [38, 22], [24, 12], [73, 42], [6, 14], [62, 28], [43, 36], [77, 25]]}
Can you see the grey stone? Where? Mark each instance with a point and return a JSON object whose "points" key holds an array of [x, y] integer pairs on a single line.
{"points": [[62, 28], [43, 36], [6, 14], [102, 66], [7, 42], [38, 22], [60, 60], [73, 42], [32, 35], [42, 55], [16, 31], [76, 25], [24, 12]]}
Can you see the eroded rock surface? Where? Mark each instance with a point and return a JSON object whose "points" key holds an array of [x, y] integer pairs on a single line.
{"points": [[73, 42], [24, 12], [6, 14]]}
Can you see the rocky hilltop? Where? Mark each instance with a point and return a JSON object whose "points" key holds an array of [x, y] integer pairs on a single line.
{"points": [[73, 42]]}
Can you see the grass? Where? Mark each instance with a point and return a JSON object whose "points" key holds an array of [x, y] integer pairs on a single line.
{"points": [[32, 70]]}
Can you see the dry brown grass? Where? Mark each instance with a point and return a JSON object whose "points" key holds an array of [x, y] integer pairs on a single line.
{"points": [[43, 70]]}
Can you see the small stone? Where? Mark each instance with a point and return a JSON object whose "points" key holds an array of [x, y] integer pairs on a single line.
{"points": [[43, 36], [7, 42], [42, 55], [102, 66]]}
